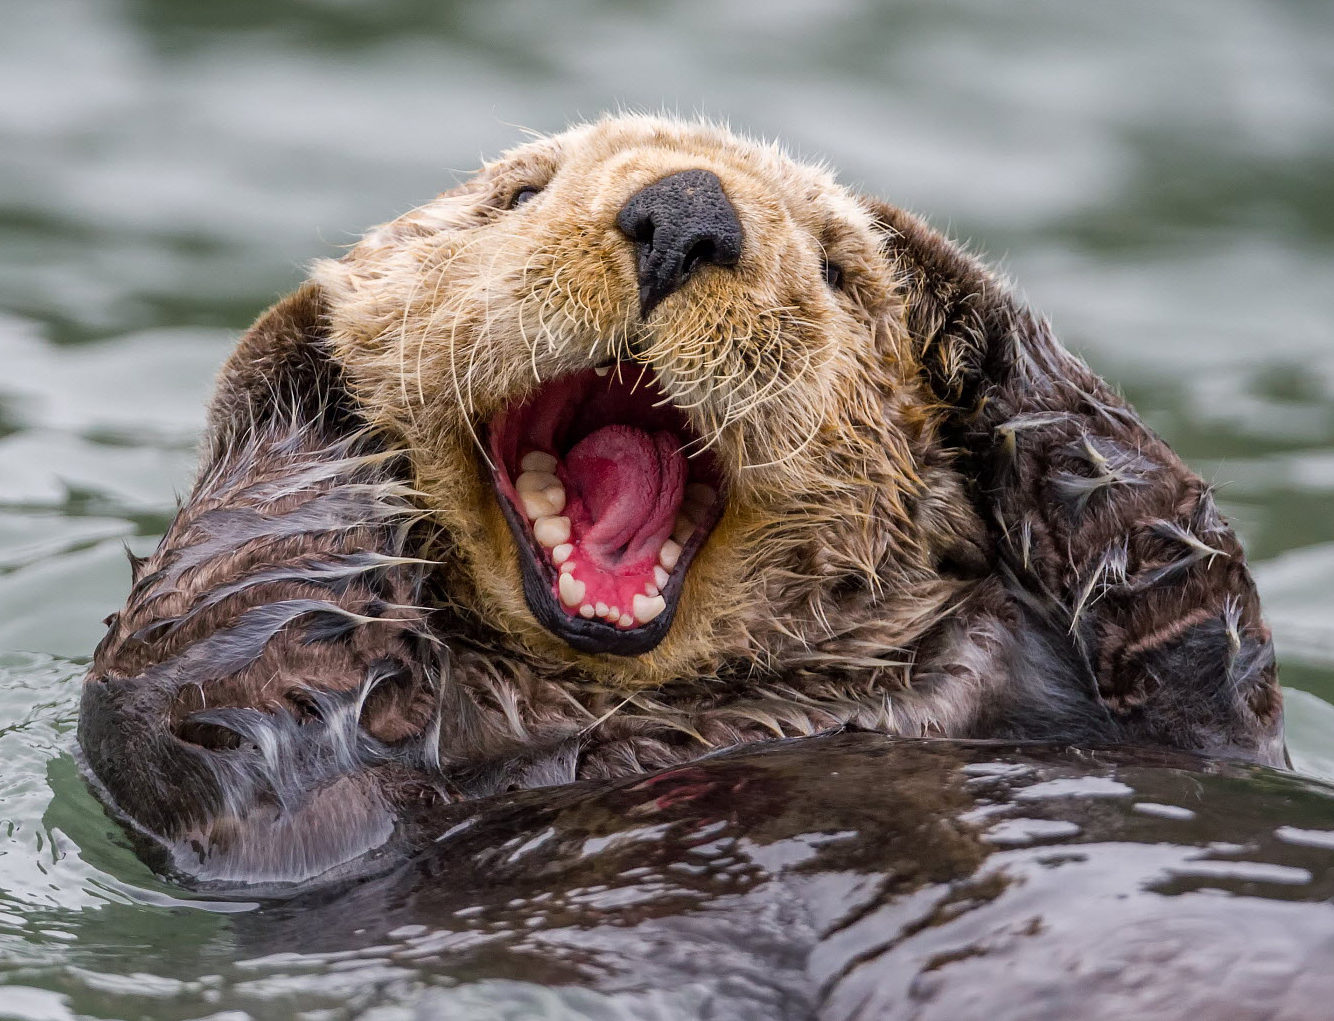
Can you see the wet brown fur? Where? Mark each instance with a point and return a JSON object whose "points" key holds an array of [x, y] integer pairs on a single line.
{"points": [[938, 521]]}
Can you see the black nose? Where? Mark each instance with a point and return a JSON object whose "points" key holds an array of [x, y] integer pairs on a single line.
{"points": [[677, 223]]}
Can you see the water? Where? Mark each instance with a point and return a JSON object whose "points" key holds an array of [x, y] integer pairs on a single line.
{"points": [[1158, 178]]}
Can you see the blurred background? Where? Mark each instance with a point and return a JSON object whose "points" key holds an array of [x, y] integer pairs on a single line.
{"points": [[1157, 176]]}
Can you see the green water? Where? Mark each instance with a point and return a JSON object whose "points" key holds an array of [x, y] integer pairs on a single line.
{"points": [[1158, 177]]}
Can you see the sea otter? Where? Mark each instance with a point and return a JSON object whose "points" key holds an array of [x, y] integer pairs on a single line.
{"points": [[645, 441]]}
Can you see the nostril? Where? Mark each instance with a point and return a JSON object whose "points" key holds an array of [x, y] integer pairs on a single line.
{"points": [[643, 232], [703, 250]]}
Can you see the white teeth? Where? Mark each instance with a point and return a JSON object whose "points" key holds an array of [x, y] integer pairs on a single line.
{"points": [[552, 531], [541, 494], [660, 576], [538, 461], [626, 620], [567, 567], [602, 370], [698, 492], [541, 505], [600, 609], [535, 481], [613, 613], [683, 529], [668, 556], [648, 607], [571, 590], [587, 610], [562, 552]]}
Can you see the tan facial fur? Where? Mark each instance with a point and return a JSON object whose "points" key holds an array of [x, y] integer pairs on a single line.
{"points": [[838, 508]]}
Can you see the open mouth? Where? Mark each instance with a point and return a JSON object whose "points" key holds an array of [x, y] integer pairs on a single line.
{"points": [[607, 503]]}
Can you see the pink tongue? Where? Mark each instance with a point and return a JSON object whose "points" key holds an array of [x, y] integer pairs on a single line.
{"points": [[623, 489]]}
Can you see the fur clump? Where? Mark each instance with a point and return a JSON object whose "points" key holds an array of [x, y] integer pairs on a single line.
{"points": [[938, 521]]}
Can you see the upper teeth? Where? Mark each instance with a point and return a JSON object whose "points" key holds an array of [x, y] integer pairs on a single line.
{"points": [[541, 493], [669, 555], [535, 481], [683, 529], [538, 461], [552, 531]]}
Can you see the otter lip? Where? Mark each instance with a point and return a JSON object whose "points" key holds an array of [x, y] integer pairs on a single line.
{"points": [[607, 508]]}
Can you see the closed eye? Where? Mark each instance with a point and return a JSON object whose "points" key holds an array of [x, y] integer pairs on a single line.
{"points": [[833, 275], [521, 196]]}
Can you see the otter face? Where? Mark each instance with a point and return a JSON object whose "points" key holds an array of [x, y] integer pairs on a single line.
{"points": [[656, 390]]}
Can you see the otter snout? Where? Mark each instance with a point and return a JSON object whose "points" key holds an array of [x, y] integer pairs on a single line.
{"points": [[678, 223]]}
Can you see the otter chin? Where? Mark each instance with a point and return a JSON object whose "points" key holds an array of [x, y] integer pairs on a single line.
{"points": [[642, 441], [607, 502]]}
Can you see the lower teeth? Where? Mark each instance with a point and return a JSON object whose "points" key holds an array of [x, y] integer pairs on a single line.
{"points": [[648, 607], [571, 590], [542, 498]]}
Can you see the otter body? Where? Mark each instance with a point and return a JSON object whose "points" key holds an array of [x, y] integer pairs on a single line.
{"points": [[852, 876], [644, 442]]}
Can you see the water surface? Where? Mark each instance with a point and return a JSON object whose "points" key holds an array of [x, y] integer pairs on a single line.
{"points": [[1159, 179]]}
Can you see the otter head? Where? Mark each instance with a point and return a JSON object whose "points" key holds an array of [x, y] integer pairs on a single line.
{"points": [[659, 392]]}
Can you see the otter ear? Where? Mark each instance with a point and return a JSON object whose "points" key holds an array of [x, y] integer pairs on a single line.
{"points": [[283, 373], [963, 320], [365, 292]]}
